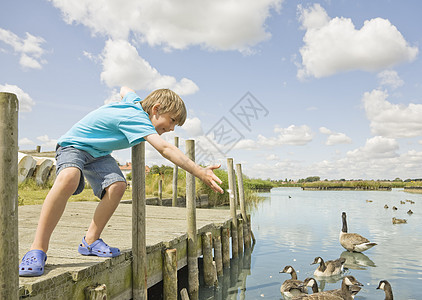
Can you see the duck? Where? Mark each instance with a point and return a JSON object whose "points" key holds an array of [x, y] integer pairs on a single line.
{"points": [[386, 206], [349, 288], [328, 268], [368, 201], [308, 282], [399, 221], [386, 287], [394, 208], [409, 212], [292, 287], [353, 242], [402, 202]]}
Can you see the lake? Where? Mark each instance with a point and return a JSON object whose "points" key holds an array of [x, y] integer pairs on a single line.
{"points": [[292, 227]]}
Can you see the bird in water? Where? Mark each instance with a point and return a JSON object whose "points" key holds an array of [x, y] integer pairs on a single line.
{"points": [[399, 221], [386, 287], [349, 288], [329, 267], [292, 287], [353, 242]]}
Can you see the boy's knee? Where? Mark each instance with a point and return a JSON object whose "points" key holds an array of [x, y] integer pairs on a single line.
{"points": [[69, 178], [117, 187]]}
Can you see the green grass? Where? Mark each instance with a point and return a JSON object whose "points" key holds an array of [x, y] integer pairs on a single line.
{"points": [[32, 197], [30, 193]]}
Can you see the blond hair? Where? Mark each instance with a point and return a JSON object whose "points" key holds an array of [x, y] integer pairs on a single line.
{"points": [[169, 102]]}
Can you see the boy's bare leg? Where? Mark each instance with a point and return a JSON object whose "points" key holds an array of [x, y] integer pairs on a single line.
{"points": [[54, 204], [105, 210]]}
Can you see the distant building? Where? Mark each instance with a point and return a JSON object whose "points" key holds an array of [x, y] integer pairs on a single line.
{"points": [[127, 168]]}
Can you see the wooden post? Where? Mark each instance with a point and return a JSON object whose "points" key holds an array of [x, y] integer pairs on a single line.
{"points": [[225, 245], [175, 176], [242, 200], [193, 280], [210, 273], [250, 230], [232, 187], [96, 292], [170, 274], [9, 241], [218, 256], [240, 234], [38, 149], [184, 294], [160, 192], [139, 250]]}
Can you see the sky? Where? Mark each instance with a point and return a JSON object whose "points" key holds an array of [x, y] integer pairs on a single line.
{"points": [[289, 89]]}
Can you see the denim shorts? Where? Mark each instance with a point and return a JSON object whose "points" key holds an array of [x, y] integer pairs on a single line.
{"points": [[100, 172]]}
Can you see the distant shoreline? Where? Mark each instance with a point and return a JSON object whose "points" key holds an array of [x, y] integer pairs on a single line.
{"points": [[413, 189], [344, 188]]}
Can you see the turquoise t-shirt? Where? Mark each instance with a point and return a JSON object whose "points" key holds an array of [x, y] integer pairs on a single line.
{"points": [[114, 126]]}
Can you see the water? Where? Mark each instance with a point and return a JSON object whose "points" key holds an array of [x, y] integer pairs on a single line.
{"points": [[293, 231]]}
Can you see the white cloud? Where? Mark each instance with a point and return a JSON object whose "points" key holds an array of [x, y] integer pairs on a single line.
{"points": [[193, 127], [47, 142], [218, 25], [43, 138], [292, 135], [377, 147], [325, 130], [122, 65], [392, 120], [272, 157], [25, 141], [29, 48], [335, 138], [338, 138], [390, 78], [113, 97], [25, 101], [335, 45]]}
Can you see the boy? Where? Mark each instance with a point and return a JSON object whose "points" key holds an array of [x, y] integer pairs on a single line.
{"points": [[84, 152]]}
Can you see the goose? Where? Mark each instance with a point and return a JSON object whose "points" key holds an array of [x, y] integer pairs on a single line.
{"points": [[409, 212], [386, 206], [353, 242], [386, 287], [399, 221], [328, 268], [394, 208], [292, 287], [349, 288], [308, 282]]}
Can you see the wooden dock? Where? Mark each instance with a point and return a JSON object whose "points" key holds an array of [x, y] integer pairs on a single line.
{"points": [[155, 241], [68, 274]]}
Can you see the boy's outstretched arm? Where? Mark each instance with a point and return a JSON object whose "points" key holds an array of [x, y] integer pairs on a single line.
{"points": [[176, 156]]}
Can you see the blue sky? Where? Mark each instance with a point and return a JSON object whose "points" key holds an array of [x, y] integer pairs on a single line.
{"points": [[289, 89]]}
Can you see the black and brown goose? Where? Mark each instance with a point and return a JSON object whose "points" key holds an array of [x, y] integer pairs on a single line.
{"points": [[386, 287], [329, 267], [292, 287], [353, 242], [349, 288]]}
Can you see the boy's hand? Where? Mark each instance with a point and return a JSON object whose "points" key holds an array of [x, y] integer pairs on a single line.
{"points": [[210, 179]]}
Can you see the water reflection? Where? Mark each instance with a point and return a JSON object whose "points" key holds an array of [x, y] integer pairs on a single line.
{"points": [[357, 261], [293, 231], [234, 278]]}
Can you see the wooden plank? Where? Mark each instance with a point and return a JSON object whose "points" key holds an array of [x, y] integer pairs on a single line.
{"points": [[166, 227]]}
